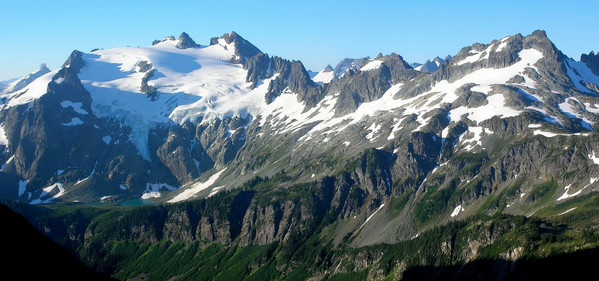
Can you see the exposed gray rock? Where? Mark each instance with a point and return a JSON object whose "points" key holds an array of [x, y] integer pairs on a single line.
{"points": [[517, 79], [148, 89], [186, 42], [291, 75], [244, 50], [362, 87], [144, 66], [592, 61], [399, 69], [259, 67], [469, 98]]}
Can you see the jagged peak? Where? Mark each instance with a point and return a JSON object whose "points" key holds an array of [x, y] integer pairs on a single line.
{"points": [[592, 61], [540, 34], [328, 68], [231, 37], [591, 54], [431, 65], [243, 48], [43, 67], [74, 61], [503, 52], [185, 42]]}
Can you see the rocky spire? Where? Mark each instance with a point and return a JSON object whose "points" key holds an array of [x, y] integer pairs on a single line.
{"points": [[186, 42], [592, 61], [243, 48]]}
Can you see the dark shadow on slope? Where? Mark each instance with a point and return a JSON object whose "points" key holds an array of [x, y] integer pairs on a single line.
{"points": [[29, 255], [581, 265]]}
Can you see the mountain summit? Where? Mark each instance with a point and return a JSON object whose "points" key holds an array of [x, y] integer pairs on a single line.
{"points": [[185, 42], [243, 48], [431, 66]]}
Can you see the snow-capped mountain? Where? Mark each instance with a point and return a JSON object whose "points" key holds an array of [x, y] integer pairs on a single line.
{"points": [[20, 83], [177, 120], [5, 83], [431, 66], [324, 76], [349, 64]]}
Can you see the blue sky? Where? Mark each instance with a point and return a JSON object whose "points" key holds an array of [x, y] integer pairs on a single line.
{"points": [[316, 32]]}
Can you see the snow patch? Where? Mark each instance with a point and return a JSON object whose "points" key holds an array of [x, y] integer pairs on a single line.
{"points": [[567, 211], [371, 65], [477, 133], [7, 161], [76, 106], [151, 194], [594, 158], [566, 195], [195, 188], [31, 92], [369, 217], [153, 190], [593, 108], [47, 190], [396, 127], [3, 138], [475, 56], [215, 190], [457, 211], [578, 71], [107, 139], [324, 77], [550, 134], [22, 187], [75, 121], [502, 45], [569, 110], [374, 128], [495, 107]]}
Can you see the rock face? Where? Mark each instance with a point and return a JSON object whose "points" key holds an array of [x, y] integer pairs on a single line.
{"points": [[592, 61], [186, 42], [244, 50], [368, 86]]}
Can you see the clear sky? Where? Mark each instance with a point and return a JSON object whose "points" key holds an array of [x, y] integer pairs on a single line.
{"points": [[316, 32]]}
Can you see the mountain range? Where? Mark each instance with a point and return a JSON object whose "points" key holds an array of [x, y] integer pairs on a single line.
{"points": [[372, 151], [430, 66]]}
